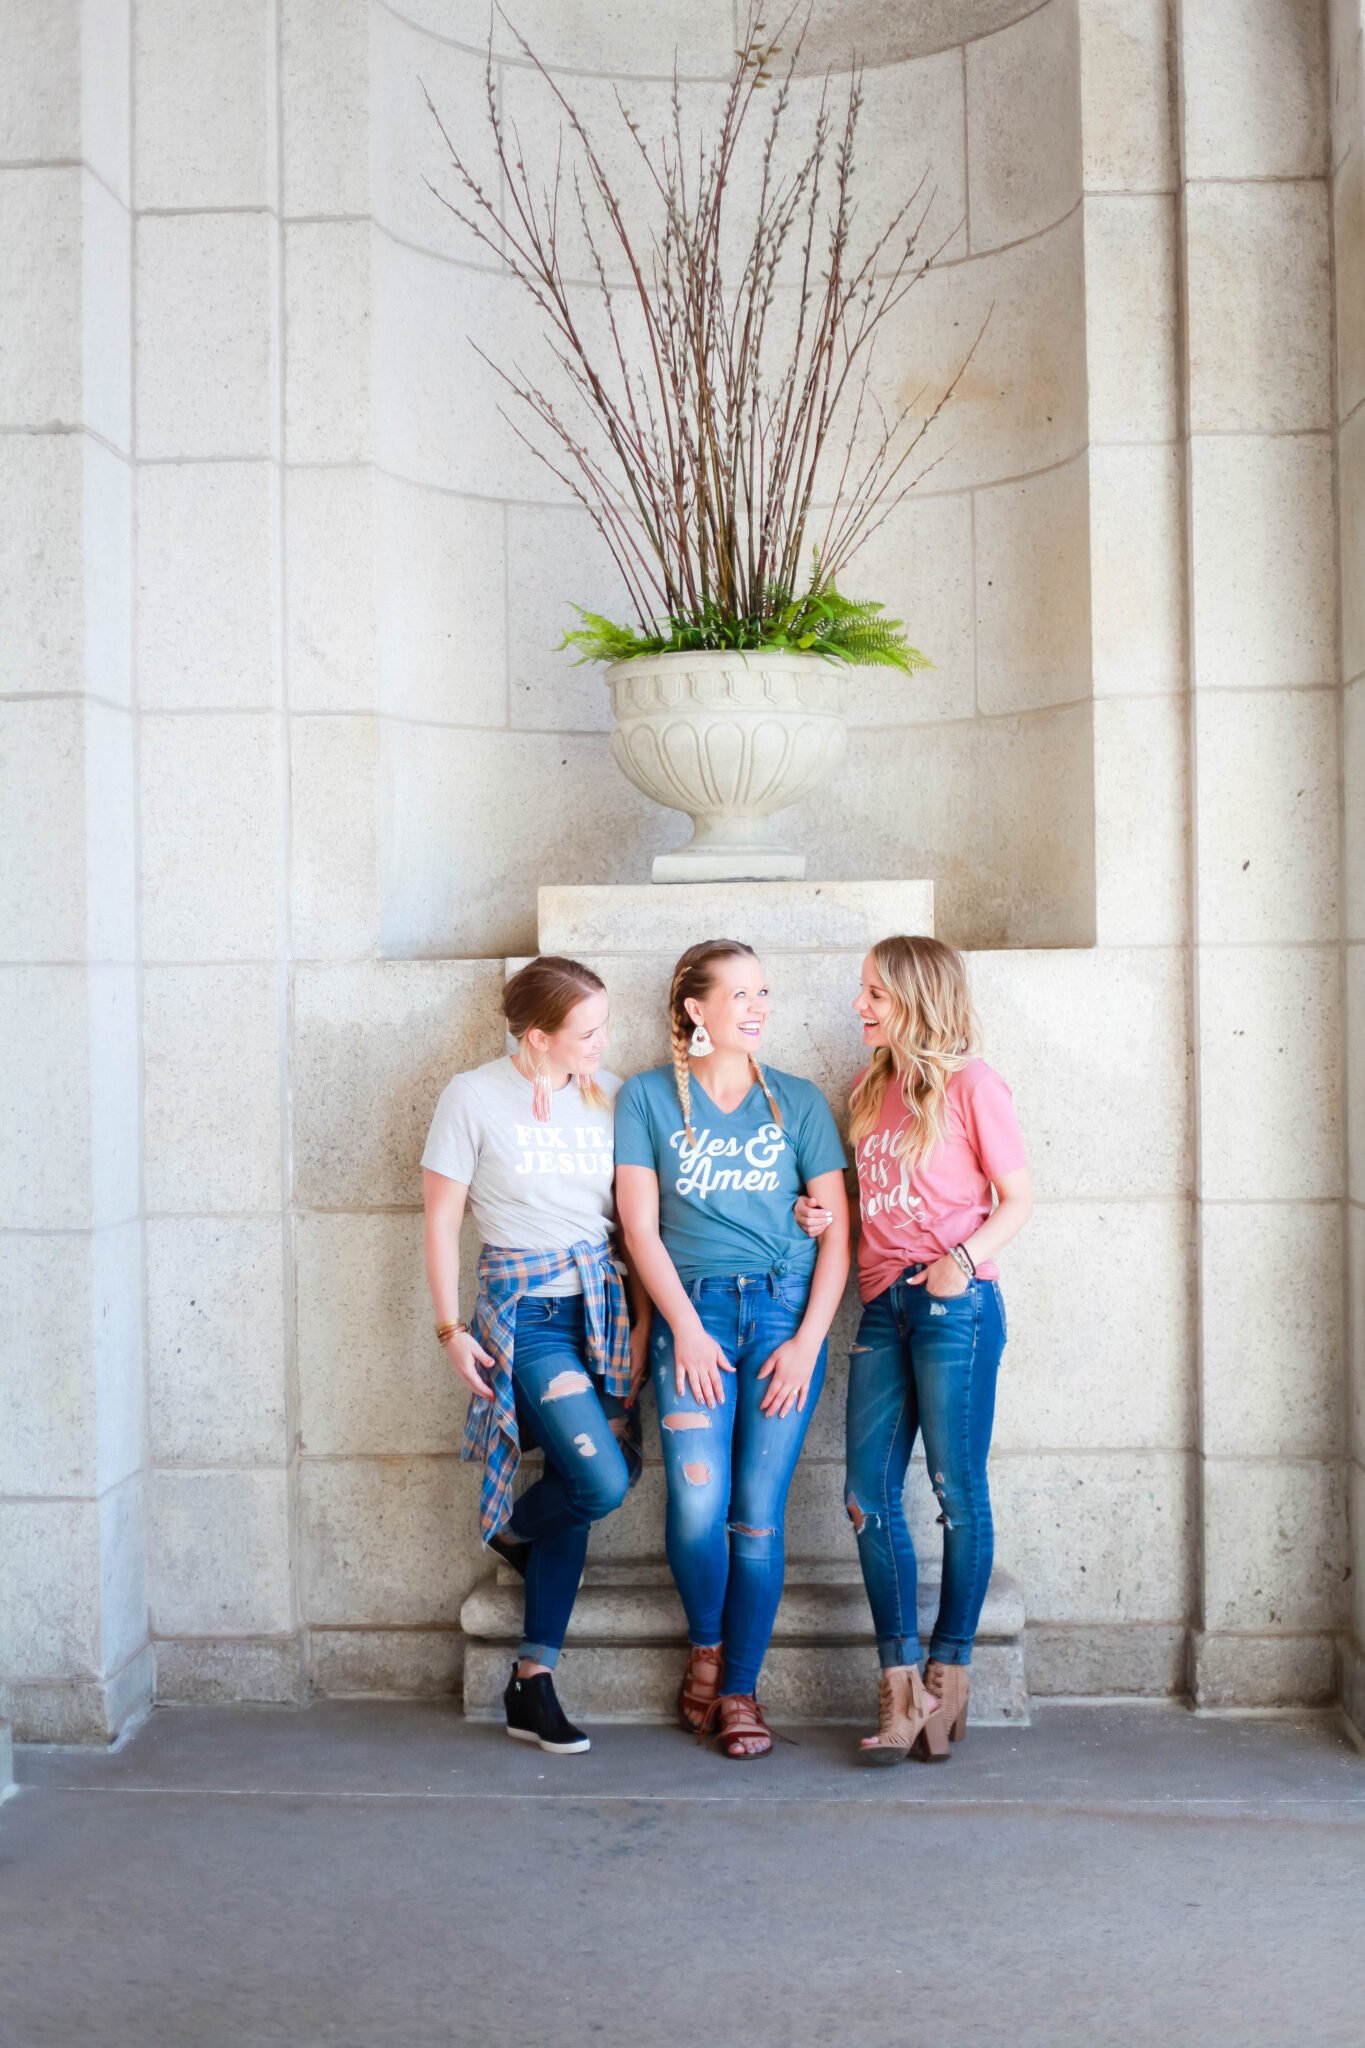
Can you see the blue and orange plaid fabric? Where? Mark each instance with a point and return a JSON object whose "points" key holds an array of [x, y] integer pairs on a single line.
{"points": [[490, 1430]]}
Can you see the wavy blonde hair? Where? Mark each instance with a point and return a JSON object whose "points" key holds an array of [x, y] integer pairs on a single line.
{"points": [[539, 997], [693, 979], [933, 1033]]}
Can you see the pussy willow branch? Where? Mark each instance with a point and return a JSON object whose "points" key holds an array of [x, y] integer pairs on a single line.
{"points": [[703, 443]]}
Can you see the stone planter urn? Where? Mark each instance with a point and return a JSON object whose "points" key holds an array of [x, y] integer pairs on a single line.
{"points": [[729, 738]]}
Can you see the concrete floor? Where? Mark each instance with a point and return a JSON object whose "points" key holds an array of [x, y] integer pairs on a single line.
{"points": [[382, 1875]]}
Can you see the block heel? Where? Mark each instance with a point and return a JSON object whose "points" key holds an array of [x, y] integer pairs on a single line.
{"points": [[951, 1686], [910, 1722]]}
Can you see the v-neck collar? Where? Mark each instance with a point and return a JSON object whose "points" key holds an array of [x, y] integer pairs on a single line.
{"points": [[698, 1082]]}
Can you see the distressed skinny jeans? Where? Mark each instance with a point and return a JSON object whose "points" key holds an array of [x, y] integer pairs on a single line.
{"points": [[561, 1407], [921, 1364], [728, 1468]]}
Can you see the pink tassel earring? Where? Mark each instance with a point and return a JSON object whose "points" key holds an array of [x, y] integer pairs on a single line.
{"points": [[540, 1094]]}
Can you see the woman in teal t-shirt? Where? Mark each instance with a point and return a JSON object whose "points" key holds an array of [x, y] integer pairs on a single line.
{"points": [[711, 1153]]}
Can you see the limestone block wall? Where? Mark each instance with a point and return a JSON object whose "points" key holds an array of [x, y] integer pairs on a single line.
{"points": [[73, 1604], [978, 773], [286, 754], [1265, 899], [1348, 222]]}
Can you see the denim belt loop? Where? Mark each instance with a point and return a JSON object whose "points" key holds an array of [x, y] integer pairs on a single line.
{"points": [[694, 1292]]}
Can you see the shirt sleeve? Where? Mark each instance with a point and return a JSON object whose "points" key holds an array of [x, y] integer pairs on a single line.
{"points": [[634, 1137], [453, 1142], [819, 1148], [991, 1124]]}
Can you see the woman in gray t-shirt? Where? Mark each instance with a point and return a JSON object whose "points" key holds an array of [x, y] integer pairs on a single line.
{"points": [[550, 1358]]}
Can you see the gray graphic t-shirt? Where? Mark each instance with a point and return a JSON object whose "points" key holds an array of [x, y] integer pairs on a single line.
{"points": [[533, 1187]]}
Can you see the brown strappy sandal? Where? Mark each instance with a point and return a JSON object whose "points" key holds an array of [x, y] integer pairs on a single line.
{"points": [[741, 1720], [697, 1694]]}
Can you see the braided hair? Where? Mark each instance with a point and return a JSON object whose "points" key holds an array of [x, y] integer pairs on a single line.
{"points": [[693, 978]]}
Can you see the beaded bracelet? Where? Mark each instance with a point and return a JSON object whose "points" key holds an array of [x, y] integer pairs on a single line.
{"points": [[964, 1260]]}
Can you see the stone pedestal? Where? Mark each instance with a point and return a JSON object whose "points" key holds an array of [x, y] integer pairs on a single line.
{"points": [[623, 1657], [780, 916], [625, 1647]]}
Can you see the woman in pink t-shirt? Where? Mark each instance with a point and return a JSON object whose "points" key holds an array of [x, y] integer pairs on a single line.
{"points": [[943, 1184]]}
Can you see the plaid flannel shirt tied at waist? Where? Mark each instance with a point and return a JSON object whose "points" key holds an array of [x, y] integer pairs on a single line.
{"points": [[490, 1432]]}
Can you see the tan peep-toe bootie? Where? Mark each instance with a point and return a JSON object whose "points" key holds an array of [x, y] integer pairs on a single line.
{"points": [[950, 1684], [910, 1721]]}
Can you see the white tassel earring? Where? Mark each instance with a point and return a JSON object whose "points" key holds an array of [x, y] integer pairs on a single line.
{"points": [[540, 1094], [700, 1043]]}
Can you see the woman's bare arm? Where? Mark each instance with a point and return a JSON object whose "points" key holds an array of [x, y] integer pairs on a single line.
{"points": [[699, 1360], [444, 1202], [792, 1364]]}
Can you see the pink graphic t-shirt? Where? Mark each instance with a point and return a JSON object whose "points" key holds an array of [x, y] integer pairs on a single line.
{"points": [[914, 1215]]}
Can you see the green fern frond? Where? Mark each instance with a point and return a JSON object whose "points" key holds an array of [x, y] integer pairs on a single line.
{"points": [[824, 622]]}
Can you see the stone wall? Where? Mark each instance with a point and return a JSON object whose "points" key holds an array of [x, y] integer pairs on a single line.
{"points": [[1264, 796], [285, 756], [73, 1598], [978, 773], [1348, 223]]}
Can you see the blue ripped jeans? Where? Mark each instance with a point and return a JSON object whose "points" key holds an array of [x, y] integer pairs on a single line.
{"points": [[729, 1468], [922, 1364], [561, 1407]]}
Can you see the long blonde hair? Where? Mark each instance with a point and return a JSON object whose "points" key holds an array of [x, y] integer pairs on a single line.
{"points": [[693, 978], [539, 996], [933, 1033]]}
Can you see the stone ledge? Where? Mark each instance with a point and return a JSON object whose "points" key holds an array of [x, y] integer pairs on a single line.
{"points": [[832, 917], [412, 1663], [830, 1682], [821, 1604], [623, 1655], [6, 1761], [95, 1710], [1265, 1670], [219, 1670], [1105, 1660]]}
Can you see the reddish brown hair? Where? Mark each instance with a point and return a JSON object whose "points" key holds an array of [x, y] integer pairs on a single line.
{"points": [[539, 997]]}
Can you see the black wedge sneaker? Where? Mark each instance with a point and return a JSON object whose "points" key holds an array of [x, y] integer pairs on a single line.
{"points": [[535, 1715], [518, 1555]]}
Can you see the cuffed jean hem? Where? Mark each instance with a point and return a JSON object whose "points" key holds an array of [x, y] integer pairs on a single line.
{"points": [[950, 1653], [540, 1653], [893, 1651]]}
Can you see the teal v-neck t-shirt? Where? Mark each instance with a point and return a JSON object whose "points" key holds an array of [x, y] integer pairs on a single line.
{"points": [[725, 1203]]}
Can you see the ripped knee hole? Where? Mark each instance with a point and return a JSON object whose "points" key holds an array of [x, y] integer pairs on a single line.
{"points": [[566, 1383], [696, 1475], [743, 1529], [686, 1418]]}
